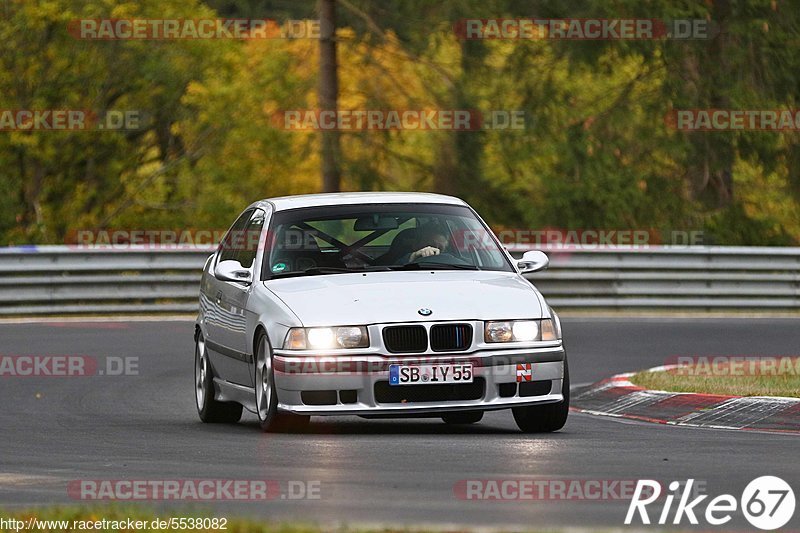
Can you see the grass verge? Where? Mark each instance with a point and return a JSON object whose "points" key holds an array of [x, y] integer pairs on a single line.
{"points": [[733, 376]]}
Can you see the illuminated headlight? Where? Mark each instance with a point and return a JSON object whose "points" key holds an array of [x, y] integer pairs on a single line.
{"points": [[326, 338], [520, 331], [525, 331]]}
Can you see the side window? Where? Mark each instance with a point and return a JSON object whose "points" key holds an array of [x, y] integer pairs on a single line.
{"points": [[233, 241], [252, 234]]}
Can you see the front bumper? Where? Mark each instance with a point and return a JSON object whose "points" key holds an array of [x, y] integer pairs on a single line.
{"points": [[357, 384]]}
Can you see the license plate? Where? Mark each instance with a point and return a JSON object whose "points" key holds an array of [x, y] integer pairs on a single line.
{"points": [[430, 374]]}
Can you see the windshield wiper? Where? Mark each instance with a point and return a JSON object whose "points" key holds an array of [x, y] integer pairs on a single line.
{"points": [[433, 265], [313, 271]]}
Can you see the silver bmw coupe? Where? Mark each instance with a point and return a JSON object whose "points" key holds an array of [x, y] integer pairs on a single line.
{"points": [[375, 305]]}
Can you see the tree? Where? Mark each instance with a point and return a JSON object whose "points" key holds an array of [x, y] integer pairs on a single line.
{"points": [[328, 95]]}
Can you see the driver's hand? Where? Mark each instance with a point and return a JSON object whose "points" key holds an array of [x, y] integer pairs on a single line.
{"points": [[424, 252]]}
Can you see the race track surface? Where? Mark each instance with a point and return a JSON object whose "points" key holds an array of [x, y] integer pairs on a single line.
{"points": [[56, 430]]}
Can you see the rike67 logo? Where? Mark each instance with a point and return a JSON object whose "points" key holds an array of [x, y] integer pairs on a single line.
{"points": [[767, 503]]}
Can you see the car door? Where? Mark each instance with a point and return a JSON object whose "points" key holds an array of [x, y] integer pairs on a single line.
{"points": [[226, 320], [235, 296]]}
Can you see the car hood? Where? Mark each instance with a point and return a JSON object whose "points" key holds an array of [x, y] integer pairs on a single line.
{"points": [[379, 297]]}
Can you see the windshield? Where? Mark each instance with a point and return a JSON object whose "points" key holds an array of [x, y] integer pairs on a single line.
{"points": [[360, 238]]}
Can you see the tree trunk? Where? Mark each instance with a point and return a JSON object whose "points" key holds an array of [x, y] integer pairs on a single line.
{"points": [[328, 95], [457, 169], [714, 153]]}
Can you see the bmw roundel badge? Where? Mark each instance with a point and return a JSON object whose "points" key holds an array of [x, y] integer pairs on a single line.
{"points": [[425, 311]]}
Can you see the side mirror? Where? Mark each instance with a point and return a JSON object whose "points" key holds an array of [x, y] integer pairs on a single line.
{"points": [[532, 261], [232, 270]]}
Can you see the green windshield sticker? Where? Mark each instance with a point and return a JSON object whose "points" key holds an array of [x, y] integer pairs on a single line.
{"points": [[279, 267]]}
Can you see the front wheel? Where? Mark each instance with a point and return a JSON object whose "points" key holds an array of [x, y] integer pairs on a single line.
{"points": [[210, 410], [267, 396], [548, 417]]}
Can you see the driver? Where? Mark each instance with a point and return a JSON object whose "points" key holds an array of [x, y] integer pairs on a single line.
{"points": [[432, 241]]}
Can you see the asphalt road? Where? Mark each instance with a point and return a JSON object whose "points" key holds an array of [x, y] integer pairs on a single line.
{"points": [[144, 427]]}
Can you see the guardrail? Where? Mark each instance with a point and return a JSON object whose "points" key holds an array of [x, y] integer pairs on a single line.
{"points": [[60, 280]]}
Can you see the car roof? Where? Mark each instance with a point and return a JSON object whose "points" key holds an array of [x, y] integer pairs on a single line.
{"points": [[283, 203]]}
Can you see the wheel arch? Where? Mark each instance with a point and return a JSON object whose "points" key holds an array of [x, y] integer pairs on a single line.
{"points": [[260, 328]]}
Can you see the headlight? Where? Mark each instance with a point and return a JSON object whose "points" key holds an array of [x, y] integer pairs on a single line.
{"points": [[320, 338], [525, 331], [520, 331], [326, 338]]}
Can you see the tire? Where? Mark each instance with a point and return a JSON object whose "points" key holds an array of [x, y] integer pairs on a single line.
{"points": [[545, 418], [462, 417], [210, 410], [267, 396]]}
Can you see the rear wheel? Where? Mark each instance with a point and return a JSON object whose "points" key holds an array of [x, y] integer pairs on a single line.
{"points": [[266, 394], [210, 410], [548, 417], [462, 417]]}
